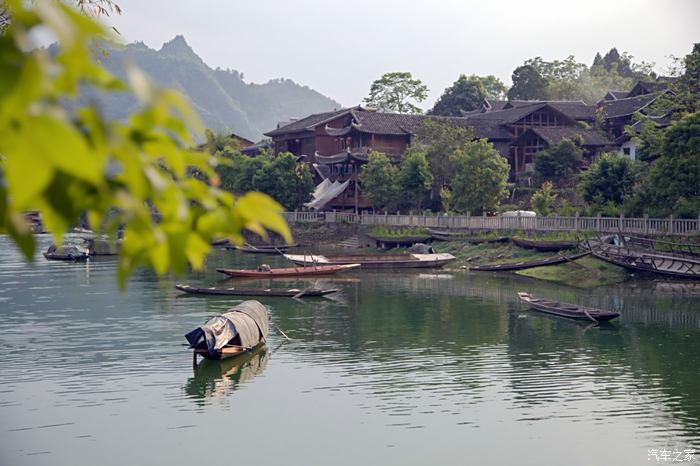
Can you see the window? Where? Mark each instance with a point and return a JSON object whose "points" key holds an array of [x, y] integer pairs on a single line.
{"points": [[626, 150]]}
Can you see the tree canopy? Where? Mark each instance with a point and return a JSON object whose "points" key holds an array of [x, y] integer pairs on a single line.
{"points": [[468, 93], [396, 92], [481, 176], [415, 178], [528, 84], [559, 161], [611, 179], [379, 182], [118, 173]]}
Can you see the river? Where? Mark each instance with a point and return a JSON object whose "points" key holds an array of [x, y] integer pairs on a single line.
{"points": [[410, 368]]}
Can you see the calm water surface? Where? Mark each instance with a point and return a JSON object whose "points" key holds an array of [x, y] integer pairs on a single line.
{"points": [[411, 368]]}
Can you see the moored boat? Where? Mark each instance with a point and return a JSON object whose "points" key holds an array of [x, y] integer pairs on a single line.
{"points": [[263, 248], [67, 252], [522, 265], [277, 292], [457, 235], [544, 245], [640, 260], [572, 311], [267, 272], [236, 332], [374, 261]]}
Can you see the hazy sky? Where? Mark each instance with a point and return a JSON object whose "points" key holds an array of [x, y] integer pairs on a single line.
{"points": [[339, 48]]}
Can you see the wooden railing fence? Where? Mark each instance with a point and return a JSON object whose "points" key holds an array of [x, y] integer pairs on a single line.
{"points": [[643, 226]]}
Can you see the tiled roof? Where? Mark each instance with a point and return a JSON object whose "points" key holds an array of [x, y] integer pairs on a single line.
{"points": [[307, 123], [554, 135], [574, 109], [494, 104], [387, 123], [628, 105], [614, 95]]}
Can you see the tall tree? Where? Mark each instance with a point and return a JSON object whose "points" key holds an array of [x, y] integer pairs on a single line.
{"points": [[439, 139], [379, 182], [285, 180], [481, 176], [528, 84], [559, 161], [673, 182], [415, 178], [611, 179], [396, 92], [598, 61], [466, 94]]}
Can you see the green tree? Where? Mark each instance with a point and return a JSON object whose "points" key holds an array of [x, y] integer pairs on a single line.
{"points": [[466, 94], [284, 179], [237, 171], [481, 176], [395, 92], [673, 183], [610, 180], [543, 199], [66, 160], [528, 84], [559, 161], [439, 140], [686, 88], [379, 182], [415, 178]]}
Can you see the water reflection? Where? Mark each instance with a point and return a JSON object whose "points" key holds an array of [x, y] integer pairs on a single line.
{"points": [[218, 379]]}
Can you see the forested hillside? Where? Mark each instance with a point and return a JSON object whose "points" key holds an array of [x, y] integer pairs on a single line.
{"points": [[223, 99]]}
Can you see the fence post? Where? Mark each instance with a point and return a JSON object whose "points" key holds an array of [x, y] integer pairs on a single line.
{"points": [[576, 224], [469, 220], [671, 228], [646, 224], [597, 222]]}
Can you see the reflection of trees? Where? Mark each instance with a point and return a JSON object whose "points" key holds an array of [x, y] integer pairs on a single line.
{"points": [[215, 379]]}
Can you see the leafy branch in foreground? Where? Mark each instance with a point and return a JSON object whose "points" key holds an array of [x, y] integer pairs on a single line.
{"points": [[66, 160]]}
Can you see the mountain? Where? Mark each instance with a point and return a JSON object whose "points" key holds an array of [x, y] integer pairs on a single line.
{"points": [[222, 98]]}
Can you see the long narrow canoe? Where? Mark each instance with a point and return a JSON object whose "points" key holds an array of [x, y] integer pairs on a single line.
{"points": [[277, 292], [288, 271], [544, 245], [374, 261], [572, 311], [528, 264], [263, 249], [451, 235]]}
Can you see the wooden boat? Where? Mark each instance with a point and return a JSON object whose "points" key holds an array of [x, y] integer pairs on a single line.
{"points": [[374, 261], [545, 245], [263, 272], [639, 260], [528, 264], [263, 248], [67, 252], [571, 311], [236, 332], [278, 292], [400, 240], [452, 235]]}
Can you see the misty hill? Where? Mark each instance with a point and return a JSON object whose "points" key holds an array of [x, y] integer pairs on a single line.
{"points": [[223, 99]]}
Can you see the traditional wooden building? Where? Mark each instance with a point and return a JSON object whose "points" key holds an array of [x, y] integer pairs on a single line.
{"points": [[336, 144]]}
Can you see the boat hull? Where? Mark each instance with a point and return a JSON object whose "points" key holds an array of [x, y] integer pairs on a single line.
{"points": [[547, 246], [570, 311], [376, 261], [311, 270], [661, 265], [276, 292], [528, 264]]}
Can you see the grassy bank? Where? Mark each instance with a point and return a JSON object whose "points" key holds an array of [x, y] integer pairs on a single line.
{"points": [[587, 272]]}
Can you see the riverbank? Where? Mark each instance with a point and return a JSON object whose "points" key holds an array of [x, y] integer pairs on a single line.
{"points": [[587, 272]]}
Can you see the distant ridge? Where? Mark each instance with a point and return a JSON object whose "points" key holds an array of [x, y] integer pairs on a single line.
{"points": [[222, 98]]}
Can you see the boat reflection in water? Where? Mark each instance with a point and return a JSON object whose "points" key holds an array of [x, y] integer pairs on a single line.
{"points": [[217, 379]]}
